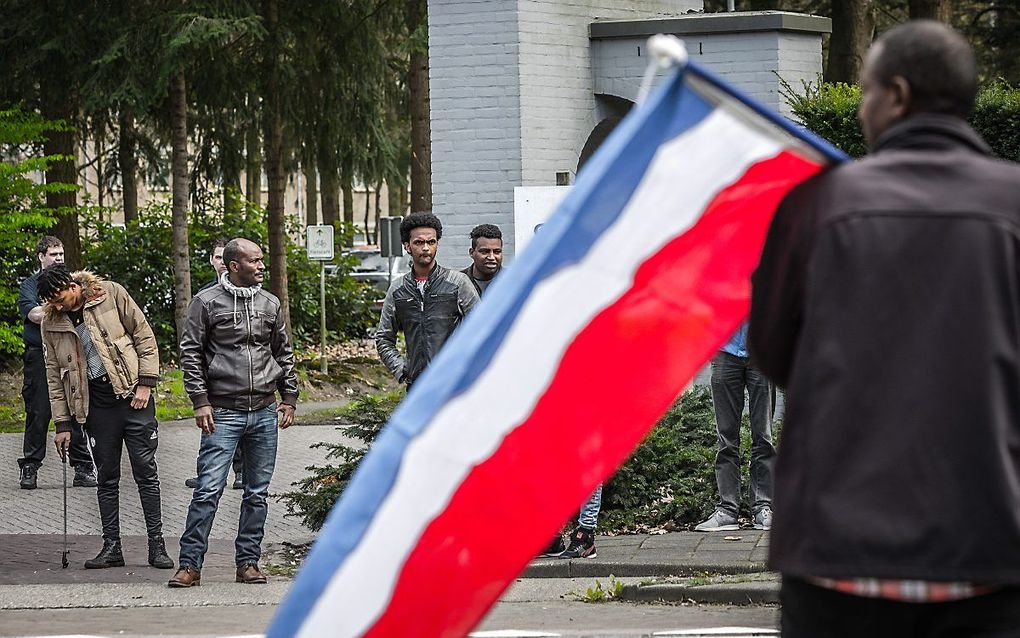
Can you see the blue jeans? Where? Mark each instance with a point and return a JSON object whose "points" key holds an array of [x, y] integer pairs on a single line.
{"points": [[589, 515], [259, 433]]}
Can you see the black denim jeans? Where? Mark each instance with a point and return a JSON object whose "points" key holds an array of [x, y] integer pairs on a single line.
{"points": [[731, 375], [36, 394]]}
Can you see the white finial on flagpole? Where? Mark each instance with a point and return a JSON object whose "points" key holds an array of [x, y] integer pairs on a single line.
{"points": [[665, 51]]}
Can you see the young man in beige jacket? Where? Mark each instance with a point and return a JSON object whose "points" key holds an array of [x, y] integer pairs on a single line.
{"points": [[101, 365]]}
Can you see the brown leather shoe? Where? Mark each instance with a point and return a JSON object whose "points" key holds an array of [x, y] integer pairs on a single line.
{"points": [[186, 577], [250, 574]]}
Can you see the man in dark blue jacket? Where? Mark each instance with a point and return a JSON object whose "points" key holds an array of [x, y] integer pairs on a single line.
{"points": [[48, 251]]}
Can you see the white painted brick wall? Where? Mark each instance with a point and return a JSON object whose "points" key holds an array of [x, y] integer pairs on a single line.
{"points": [[750, 61], [474, 91]]}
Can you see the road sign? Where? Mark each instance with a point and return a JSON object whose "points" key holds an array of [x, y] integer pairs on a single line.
{"points": [[389, 237], [319, 243]]}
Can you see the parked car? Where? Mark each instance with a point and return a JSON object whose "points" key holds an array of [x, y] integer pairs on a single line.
{"points": [[376, 270]]}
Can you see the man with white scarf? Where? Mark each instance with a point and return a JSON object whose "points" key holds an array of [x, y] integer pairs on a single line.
{"points": [[235, 356]]}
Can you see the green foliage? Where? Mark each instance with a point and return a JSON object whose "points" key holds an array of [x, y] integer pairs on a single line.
{"points": [[997, 118], [317, 493], [600, 594], [23, 213], [138, 256], [671, 476], [830, 110]]}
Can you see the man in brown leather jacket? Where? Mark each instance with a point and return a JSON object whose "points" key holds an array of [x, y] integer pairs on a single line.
{"points": [[101, 365], [236, 357], [887, 301]]}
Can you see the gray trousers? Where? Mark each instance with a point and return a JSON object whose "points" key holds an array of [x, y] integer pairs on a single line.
{"points": [[730, 376]]}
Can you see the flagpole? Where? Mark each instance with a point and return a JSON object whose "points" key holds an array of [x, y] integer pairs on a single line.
{"points": [[666, 51]]}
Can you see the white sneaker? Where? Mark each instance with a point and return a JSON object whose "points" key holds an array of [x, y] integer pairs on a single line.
{"points": [[763, 519], [720, 521]]}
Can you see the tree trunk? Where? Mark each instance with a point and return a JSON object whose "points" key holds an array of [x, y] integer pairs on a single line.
{"points": [[330, 194], [421, 127], [311, 186], [368, 211], [179, 201], [940, 10], [60, 104], [126, 149], [378, 214], [853, 27], [253, 166], [272, 134], [348, 190], [393, 207], [98, 133]]}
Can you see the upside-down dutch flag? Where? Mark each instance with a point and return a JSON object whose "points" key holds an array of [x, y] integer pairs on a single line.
{"points": [[578, 348]]}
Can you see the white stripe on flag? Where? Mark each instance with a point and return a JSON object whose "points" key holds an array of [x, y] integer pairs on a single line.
{"points": [[679, 184]]}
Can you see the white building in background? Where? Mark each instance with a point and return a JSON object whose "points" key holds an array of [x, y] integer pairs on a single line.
{"points": [[522, 90]]}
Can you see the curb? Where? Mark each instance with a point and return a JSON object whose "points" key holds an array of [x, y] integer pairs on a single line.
{"points": [[754, 593], [585, 568]]}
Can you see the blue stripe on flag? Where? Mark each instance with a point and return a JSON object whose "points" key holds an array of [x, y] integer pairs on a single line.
{"points": [[595, 202]]}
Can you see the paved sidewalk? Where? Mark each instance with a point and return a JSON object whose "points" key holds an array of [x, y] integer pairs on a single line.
{"points": [[673, 554], [40, 511]]}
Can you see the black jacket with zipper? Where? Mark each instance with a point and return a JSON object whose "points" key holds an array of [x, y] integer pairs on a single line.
{"points": [[235, 353], [887, 302], [426, 320]]}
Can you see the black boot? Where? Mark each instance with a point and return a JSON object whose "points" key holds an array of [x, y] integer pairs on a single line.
{"points": [[28, 476], [158, 557], [83, 476], [110, 556]]}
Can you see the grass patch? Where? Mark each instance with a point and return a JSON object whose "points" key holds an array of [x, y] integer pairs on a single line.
{"points": [[172, 402], [12, 417]]}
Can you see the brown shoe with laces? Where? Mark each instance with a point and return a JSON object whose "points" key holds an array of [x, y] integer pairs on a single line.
{"points": [[186, 577], [250, 574]]}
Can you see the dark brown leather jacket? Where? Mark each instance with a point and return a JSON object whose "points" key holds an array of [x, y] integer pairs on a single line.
{"points": [[887, 301], [235, 353]]}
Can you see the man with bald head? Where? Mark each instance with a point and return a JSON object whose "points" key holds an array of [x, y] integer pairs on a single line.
{"points": [[236, 357], [887, 301]]}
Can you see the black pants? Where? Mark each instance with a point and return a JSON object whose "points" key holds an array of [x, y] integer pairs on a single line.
{"points": [[814, 612], [36, 394], [111, 425]]}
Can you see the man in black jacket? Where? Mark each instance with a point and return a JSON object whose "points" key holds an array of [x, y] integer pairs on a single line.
{"points": [[486, 254], [427, 303], [887, 300], [49, 250], [235, 356]]}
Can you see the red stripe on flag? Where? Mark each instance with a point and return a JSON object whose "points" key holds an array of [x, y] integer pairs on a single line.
{"points": [[621, 373]]}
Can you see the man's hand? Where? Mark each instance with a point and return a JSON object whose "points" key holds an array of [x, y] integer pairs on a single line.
{"points": [[63, 441], [285, 415], [204, 420], [141, 398]]}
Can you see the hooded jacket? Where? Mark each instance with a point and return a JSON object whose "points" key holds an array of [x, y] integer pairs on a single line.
{"points": [[887, 302], [123, 339], [235, 353]]}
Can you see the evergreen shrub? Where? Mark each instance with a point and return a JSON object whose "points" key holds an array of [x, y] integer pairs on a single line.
{"points": [[669, 481], [830, 111]]}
